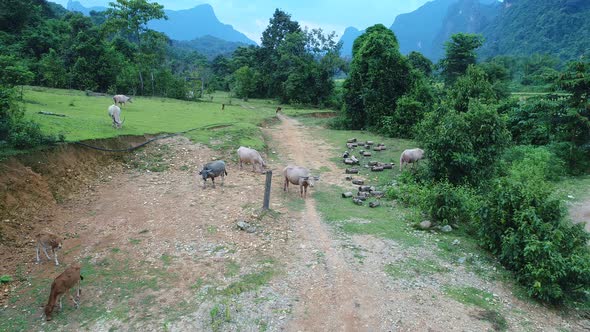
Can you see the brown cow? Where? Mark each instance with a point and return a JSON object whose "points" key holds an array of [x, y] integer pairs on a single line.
{"points": [[61, 285]]}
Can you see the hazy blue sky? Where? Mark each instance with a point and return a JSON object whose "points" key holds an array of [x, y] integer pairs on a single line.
{"points": [[251, 16]]}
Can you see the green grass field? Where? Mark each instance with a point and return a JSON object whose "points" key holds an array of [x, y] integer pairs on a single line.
{"points": [[86, 117]]}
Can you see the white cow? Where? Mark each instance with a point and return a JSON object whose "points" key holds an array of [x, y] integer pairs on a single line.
{"points": [[300, 176], [121, 99], [251, 156], [115, 114], [410, 156]]}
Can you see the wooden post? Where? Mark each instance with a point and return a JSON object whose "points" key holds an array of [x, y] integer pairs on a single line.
{"points": [[265, 204]]}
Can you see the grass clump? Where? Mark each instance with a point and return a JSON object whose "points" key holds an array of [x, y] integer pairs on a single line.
{"points": [[412, 268]]}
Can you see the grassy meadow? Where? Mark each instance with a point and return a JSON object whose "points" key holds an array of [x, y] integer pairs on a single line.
{"points": [[86, 117]]}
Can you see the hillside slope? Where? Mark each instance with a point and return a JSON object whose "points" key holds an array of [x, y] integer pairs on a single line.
{"points": [[525, 27]]}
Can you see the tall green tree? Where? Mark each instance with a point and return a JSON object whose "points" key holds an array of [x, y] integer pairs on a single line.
{"points": [[421, 63], [379, 76], [131, 17], [473, 86], [459, 54], [276, 33], [279, 26]]}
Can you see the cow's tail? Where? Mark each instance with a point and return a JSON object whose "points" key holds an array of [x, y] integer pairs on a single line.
{"points": [[225, 171]]}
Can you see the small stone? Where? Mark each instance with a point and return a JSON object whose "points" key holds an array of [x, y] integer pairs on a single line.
{"points": [[243, 225], [426, 224], [461, 260], [456, 242], [446, 228]]}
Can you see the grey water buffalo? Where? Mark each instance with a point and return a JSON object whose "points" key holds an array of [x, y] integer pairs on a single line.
{"points": [[251, 156], [300, 176], [410, 156], [121, 99], [115, 114], [212, 170]]}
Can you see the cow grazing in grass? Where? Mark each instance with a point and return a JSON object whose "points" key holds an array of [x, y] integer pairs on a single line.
{"points": [[300, 176], [251, 156], [213, 170], [121, 99], [115, 114], [62, 285], [410, 156]]}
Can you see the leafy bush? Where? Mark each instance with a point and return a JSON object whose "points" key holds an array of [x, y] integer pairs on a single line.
{"points": [[408, 113], [523, 225], [447, 204], [536, 161], [19, 133], [443, 202], [530, 122], [577, 158], [339, 122], [27, 134], [463, 147]]}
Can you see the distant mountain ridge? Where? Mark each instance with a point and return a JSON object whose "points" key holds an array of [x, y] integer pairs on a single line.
{"points": [[512, 27], [209, 46], [197, 22], [524, 27], [347, 39], [416, 31], [75, 6], [427, 28], [187, 24], [467, 16]]}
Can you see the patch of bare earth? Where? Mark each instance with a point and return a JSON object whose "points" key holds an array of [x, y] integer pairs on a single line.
{"points": [[580, 213]]}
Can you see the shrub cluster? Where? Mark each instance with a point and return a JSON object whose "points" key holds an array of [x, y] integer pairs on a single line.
{"points": [[524, 226], [15, 129]]}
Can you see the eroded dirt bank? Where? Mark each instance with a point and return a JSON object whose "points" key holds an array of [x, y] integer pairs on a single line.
{"points": [[32, 186]]}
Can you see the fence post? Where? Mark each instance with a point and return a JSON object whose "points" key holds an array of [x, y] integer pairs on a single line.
{"points": [[265, 204]]}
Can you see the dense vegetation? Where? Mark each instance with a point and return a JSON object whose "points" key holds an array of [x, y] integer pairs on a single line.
{"points": [[493, 158]]}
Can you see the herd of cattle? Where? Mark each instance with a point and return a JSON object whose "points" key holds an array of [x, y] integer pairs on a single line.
{"points": [[296, 175]]}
